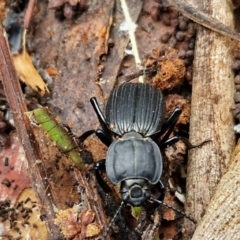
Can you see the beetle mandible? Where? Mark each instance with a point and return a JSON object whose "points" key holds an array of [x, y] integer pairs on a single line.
{"points": [[134, 120]]}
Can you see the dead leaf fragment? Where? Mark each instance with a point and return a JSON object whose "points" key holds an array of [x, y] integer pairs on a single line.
{"points": [[169, 214], [28, 74], [51, 71], [15, 171], [25, 219], [87, 217], [67, 221], [93, 230]]}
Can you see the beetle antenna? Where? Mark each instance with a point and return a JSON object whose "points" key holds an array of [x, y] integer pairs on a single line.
{"points": [[113, 220], [175, 209]]}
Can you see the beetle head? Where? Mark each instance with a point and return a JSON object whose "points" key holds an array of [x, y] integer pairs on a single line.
{"points": [[135, 191]]}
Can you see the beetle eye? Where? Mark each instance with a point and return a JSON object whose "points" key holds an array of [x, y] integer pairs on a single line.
{"points": [[136, 192]]}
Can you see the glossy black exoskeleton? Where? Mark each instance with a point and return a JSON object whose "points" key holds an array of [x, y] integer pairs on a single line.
{"points": [[134, 119]]}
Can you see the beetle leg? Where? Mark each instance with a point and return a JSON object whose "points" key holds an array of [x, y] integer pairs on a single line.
{"points": [[168, 127], [169, 124], [101, 119], [159, 189], [101, 165], [85, 135], [103, 136], [189, 145], [160, 185], [99, 113]]}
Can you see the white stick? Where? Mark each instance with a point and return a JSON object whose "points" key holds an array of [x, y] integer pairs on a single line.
{"points": [[131, 32]]}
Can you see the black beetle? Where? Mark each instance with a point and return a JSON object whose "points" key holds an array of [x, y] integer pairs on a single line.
{"points": [[135, 112], [134, 119]]}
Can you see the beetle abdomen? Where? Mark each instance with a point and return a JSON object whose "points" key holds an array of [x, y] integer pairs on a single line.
{"points": [[135, 107], [134, 158]]}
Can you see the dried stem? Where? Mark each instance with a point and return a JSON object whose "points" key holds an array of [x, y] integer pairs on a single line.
{"points": [[131, 32], [16, 102]]}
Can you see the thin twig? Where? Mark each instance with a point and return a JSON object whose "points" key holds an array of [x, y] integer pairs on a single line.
{"points": [[16, 102], [131, 32], [27, 20]]}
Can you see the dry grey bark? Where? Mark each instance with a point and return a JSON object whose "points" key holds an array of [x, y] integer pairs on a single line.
{"points": [[221, 220], [211, 115]]}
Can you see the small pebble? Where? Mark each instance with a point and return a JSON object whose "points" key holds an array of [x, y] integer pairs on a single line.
{"points": [[187, 62], [174, 15], [237, 79], [189, 53], [237, 87], [188, 75], [237, 97], [237, 55], [174, 23], [236, 65], [182, 53], [191, 29], [172, 42], [68, 11], [166, 20], [236, 3], [180, 36], [154, 13], [165, 37], [237, 128], [110, 43], [236, 111], [182, 25], [182, 18], [191, 44]]}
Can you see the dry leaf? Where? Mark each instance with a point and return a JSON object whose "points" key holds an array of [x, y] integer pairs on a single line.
{"points": [[25, 218], [28, 74], [51, 71]]}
